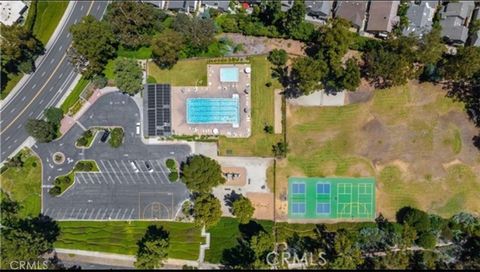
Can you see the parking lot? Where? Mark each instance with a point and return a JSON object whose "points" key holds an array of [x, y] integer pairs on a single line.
{"points": [[118, 191]]}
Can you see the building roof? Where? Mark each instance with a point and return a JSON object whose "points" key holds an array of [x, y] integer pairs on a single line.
{"points": [[454, 18], [382, 15], [462, 9], [420, 18], [217, 4], [353, 11], [176, 5], [319, 8], [11, 11], [157, 3]]}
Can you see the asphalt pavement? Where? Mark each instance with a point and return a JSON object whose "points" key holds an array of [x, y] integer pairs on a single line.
{"points": [[46, 86], [117, 191]]}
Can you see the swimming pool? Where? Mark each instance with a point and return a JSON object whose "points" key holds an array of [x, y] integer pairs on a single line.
{"points": [[229, 74], [213, 111]]}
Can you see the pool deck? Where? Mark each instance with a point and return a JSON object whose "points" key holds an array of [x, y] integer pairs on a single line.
{"points": [[215, 89]]}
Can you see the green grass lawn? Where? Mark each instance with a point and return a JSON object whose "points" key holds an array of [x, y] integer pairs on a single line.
{"points": [[224, 236], [109, 70], [259, 143], [184, 73], [74, 95], [24, 184], [122, 237], [141, 53], [12, 81], [49, 14]]}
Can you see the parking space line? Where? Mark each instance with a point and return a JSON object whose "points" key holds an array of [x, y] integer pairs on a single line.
{"points": [[116, 216], [91, 213], [116, 175], [46, 211], [132, 176], [151, 175], [131, 213], [124, 165], [99, 210], [64, 213], [105, 213], [146, 177], [110, 215], [103, 165], [85, 213], [161, 170], [71, 214], [124, 213], [110, 175]]}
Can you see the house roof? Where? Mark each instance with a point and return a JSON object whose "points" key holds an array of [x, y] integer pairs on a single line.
{"points": [[462, 9], [420, 18], [218, 3], [382, 15], [353, 11], [454, 30], [319, 8], [176, 5], [11, 11]]}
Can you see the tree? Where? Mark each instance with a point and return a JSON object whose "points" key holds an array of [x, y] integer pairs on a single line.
{"points": [[307, 74], [207, 210], [152, 248], [261, 244], [242, 208], [278, 57], [333, 41], [41, 130], [350, 79], [348, 255], [54, 115], [201, 173], [133, 23], [166, 47], [93, 45], [427, 240], [294, 17], [464, 65], [18, 46], [128, 75], [431, 47], [198, 32], [9, 209], [280, 149], [415, 218], [386, 68]]}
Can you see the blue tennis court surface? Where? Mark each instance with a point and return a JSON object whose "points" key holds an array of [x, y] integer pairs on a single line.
{"points": [[213, 111], [229, 74]]}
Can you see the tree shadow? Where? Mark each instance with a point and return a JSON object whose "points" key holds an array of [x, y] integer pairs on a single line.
{"points": [[250, 229], [153, 233], [240, 256], [44, 225], [230, 198]]}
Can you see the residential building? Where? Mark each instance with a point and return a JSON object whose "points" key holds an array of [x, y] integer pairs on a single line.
{"points": [[319, 9], [476, 36], [353, 11], [216, 4], [158, 4], [455, 18], [11, 11], [286, 5], [420, 18], [382, 17], [189, 6]]}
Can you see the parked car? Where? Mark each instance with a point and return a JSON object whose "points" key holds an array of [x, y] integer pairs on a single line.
{"points": [[149, 167], [105, 135], [134, 167]]}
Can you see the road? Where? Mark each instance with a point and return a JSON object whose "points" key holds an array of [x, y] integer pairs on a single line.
{"points": [[46, 86]]}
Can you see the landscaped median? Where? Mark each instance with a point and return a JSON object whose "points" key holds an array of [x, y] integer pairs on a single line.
{"points": [[173, 167], [62, 183]]}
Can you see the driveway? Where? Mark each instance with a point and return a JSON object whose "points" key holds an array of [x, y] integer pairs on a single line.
{"points": [[116, 192]]}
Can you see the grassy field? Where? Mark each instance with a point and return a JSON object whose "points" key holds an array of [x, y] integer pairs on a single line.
{"points": [[49, 14], [12, 81], [184, 73], [122, 237], [73, 97], [141, 53], [224, 236], [24, 184], [259, 143], [414, 140]]}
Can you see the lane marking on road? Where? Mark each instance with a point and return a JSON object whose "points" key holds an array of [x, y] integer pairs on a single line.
{"points": [[43, 87]]}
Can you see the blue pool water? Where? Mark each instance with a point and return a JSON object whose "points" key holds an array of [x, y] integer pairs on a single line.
{"points": [[229, 74], [213, 111]]}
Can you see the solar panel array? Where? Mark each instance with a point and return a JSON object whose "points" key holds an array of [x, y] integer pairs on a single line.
{"points": [[158, 110]]}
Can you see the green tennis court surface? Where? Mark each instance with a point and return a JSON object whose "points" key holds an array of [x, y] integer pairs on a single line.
{"points": [[331, 198]]}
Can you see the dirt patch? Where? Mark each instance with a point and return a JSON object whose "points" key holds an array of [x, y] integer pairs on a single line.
{"points": [[262, 45], [235, 176], [263, 204]]}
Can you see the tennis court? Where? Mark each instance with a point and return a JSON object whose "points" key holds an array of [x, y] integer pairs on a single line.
{"points": [[331, 198], [213, 110]]}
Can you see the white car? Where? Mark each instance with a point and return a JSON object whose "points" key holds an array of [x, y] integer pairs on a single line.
{"points": [[134, 167]]}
